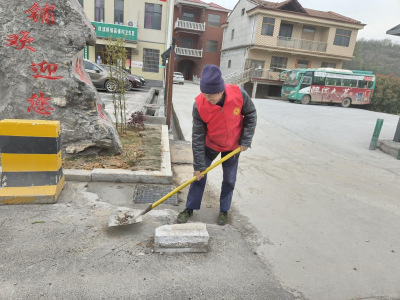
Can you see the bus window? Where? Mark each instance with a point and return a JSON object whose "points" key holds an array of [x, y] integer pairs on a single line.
{"points": [[308, 73], [333, 81], [362, 84], [319, 80], [349, 82], [306, 80], [370, 84], [291, 79]]}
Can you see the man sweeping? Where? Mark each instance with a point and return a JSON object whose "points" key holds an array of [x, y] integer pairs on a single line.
{"points": [[224, 118]]}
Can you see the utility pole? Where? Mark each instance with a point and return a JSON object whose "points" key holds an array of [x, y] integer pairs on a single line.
{"points": [[170, 81]]}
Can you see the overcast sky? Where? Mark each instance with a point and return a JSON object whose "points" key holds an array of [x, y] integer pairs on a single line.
{"points": [[379, 15]]}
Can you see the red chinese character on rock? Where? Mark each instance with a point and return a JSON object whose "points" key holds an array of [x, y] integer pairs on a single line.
{"points": [[46, 16], [40, 105], [79, 71], [13, 41], [34, 11], [43, 68], [101, 113]]}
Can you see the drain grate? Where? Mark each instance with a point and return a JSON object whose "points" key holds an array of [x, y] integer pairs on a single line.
{"points": [[150, 193]]}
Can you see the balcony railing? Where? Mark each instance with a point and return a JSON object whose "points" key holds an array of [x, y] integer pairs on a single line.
{"points": [[189, 52], [241, 77], [301, 44], [190, 25]]}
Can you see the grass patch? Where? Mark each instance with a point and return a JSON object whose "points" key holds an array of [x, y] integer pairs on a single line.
{"points": [[141, 151]]}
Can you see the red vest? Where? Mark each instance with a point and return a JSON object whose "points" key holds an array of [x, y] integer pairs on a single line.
{"points": [[224, 124]]}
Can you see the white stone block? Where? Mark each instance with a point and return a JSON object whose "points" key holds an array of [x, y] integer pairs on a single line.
{"points": [[189, 237]]}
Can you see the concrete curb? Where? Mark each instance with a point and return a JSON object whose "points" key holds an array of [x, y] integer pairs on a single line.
{"points": [[126, 176], [177, 124], [389, 147]]}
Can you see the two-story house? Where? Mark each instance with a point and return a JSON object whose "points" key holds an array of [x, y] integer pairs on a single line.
{"points": [[143, 23], [268, 38], [197, 27]]}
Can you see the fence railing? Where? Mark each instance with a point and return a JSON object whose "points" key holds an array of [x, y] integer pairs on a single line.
{"points": [[246, 75], [235, 77], [190, 25], [301, 44], [189, 52], [264, 74]]}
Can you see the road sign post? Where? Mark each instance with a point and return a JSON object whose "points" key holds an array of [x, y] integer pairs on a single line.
{"points": [[397, 133], [375, 135]]}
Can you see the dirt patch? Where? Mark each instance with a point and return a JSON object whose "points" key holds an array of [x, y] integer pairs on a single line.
{"points": [[141, 151]]}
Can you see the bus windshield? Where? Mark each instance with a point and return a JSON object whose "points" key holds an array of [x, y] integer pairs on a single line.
{"points": [[291, 79]]}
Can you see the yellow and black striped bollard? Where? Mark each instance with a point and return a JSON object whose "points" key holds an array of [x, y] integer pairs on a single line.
{"points": [[31, 161]]}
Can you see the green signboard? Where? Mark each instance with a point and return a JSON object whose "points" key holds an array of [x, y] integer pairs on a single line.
{"points": [[114, 31], [86, 53]]}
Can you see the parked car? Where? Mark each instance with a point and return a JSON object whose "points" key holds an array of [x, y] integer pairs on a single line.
{"points": [[142, 80], [133, 80], [100, 76], [178, 78]]}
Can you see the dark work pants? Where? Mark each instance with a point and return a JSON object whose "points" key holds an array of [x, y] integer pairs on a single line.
{"points": [[196, 189]]}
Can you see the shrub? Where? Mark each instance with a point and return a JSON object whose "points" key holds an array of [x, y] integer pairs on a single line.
{"points": [[136, 121], [386, 96]]}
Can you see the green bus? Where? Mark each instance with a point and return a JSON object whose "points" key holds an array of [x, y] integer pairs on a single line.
{"points": [[327, 85]]}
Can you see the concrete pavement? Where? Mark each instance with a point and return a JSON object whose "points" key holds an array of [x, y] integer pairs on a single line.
{"points": [[134, 102], [325, 208], [66, 250]]}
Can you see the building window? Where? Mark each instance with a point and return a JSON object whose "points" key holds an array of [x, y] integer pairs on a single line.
{"points": [[328, 65], [232, 34], [243, 10], [342, 37], [308, 33], [286, 30], [214, 20], [151, 60], [278, 63], [99, 10], [186, 43], [211, 46], [80, 2], [100, 54], [119, 12], [268, 26], [152, 17], [229, 64], [188, 17], [101, 57], [302, 64]]}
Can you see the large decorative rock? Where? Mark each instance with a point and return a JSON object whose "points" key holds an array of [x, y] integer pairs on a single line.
{"points": [[42, 73]]}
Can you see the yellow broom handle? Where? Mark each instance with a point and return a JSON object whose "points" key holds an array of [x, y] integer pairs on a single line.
{"points": [[217, 163]]}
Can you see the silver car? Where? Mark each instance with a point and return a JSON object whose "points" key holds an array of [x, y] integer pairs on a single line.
{"points": [[100, 76], [178, 78]]}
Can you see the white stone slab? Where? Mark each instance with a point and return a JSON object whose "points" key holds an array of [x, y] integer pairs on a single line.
{"points": [[189, 237]]}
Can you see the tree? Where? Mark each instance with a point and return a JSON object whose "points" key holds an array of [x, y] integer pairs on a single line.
{"points": [[115, 60]]}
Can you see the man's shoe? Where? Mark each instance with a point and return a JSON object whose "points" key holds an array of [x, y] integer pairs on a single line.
{"points": [[222, 218], [184, 216]]}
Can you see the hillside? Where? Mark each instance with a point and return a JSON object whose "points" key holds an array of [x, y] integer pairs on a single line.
{"points": [[379, 56]]}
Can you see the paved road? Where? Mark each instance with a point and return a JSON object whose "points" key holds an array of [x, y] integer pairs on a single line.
{"points": [[326, 208], [135, 100]]}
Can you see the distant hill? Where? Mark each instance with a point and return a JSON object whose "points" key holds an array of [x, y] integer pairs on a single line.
{"points": [[378, 56]]}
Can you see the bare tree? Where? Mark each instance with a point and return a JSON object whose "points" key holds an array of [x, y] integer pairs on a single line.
{"points": [[115, 60]]}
